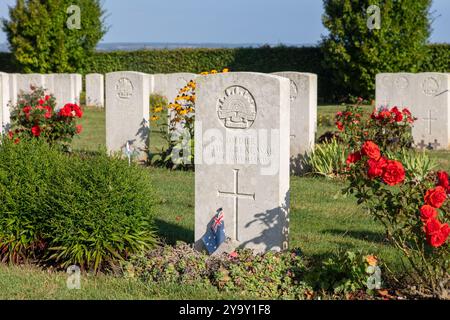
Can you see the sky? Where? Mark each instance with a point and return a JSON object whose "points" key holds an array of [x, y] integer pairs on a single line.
{"points": [[226, 21]]}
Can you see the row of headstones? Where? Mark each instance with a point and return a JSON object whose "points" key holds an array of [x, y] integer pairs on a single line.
{"points": [[127, 110], [427, 96], [65, 87]]}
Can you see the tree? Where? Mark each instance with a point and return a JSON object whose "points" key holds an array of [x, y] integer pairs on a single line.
{"points": [[44, 37], [355, 53]]}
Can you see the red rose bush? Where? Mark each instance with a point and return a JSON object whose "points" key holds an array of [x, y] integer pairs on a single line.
{"points": [[414, 212], [36, 117]]}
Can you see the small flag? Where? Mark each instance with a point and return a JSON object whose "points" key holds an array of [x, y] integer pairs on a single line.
{"points": [[215, 235]]}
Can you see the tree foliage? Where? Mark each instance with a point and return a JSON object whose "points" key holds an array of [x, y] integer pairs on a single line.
{"points": [[41, 40], [355, 53]]}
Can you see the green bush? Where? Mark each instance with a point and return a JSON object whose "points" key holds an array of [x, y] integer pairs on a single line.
{"points": [[41, 41], [89, 210], [354, 54]]}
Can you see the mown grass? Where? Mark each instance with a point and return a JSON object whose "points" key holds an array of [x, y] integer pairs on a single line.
{"points": [[322, 222]]}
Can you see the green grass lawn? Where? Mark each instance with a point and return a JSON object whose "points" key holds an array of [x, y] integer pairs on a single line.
{"points": [[322, 221]]}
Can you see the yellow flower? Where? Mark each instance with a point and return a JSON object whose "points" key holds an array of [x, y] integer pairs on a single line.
{"points": [[226, 70], [154, 118], [183, 112], [214, 71], [372, 260], [204, 73], [158, 109]]}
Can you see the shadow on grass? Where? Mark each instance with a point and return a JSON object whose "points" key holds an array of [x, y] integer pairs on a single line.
{"points": [[369, 236], [171, 233]]}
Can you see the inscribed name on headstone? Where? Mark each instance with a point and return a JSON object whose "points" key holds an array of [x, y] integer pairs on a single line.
{"points": [[242, 158], [95, 90], [127, 112], [303, 116]]}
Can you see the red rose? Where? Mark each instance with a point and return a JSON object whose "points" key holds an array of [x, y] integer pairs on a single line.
{"points": [[384, 114], [66, 111], [17, 141], [353, 157], [47, 98], [10, 134], [41, 102], [408, 115], [26, 109], [437, 233], [371, 150], [435, 197], [376, 168], [339, 114], [394, 173], [340, 126], [432, 226], [36, 131], [77, 110], [48, 114], [398, 114], [428, 212], [443, 179], [78, 129]]}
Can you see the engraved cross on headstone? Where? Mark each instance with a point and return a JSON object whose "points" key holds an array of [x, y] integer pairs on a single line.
{"points": [[236, 196], [435, 145], [422, 145], [429, 119]]}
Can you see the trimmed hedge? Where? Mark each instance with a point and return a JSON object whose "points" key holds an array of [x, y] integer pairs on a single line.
{"points": [[264, 59]]}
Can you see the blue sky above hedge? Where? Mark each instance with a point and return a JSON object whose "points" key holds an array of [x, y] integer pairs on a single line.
{"points": [[230, 21]]}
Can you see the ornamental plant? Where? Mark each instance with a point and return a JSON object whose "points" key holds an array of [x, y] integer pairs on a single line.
{"points": [[35, 117], [388, 128], [414, 212], [180, 132]]}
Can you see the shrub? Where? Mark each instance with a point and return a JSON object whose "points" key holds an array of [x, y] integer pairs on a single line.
{"points": [[354, 54], [35, 117], [42, 42], [71, 210], [270, 275], [413, 211]]}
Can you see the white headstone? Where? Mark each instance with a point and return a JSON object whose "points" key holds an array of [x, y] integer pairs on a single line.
{"points": [[22, 83], [127, 112], [169, 85], [26, 81], [303, 116], [432, 106], [62, 86], [394, 89], [95, 90], [159, 84], [242, 158], [426, 96], [4, 101]]}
